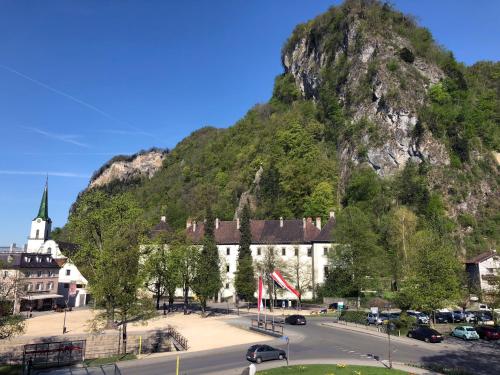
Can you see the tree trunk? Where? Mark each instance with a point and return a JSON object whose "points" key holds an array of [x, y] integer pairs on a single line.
{"points": [[170, 301], [158, 296], [186, 300], [125, 337]]}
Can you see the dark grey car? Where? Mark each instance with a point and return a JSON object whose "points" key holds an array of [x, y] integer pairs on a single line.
{"points": [[261, 353]]}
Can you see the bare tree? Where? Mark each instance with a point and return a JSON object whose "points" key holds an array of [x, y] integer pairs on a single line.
{"points": [[300, 273], [11, 291], [270, 261]]}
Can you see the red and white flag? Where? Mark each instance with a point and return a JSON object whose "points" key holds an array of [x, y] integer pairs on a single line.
{"points": [[282, 283], [259, 299]]}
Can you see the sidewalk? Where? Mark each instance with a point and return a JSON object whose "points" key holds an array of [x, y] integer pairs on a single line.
{"points": [[326, 361]]}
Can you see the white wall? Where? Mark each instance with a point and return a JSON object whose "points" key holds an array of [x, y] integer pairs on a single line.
{"points": [[490, 266]]}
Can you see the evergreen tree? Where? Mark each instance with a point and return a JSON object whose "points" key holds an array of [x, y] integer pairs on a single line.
{"points": [[207, 282], [245, 278]]}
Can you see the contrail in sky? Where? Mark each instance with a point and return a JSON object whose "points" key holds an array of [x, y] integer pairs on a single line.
{"points": [[72, 98], [37, 173]]}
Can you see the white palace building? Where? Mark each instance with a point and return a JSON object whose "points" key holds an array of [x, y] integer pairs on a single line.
{"points": [[302, 242]]}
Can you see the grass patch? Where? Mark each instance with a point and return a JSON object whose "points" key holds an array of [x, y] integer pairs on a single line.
{"points": [[330, 370], [10, 369], [109, 360]]}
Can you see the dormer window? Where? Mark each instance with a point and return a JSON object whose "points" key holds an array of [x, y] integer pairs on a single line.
{"points": [[48, 259], [38, 259], [49, 250]]}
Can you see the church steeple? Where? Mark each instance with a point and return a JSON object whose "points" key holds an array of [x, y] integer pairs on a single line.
{"points": [[43, 212]]}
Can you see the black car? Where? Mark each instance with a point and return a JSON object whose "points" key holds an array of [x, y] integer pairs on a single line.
{"points": [[425, 333], [261, 353], [444, 317], [296, 319]]}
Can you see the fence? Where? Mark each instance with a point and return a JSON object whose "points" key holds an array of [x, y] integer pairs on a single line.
{"points": [[268, 326]]}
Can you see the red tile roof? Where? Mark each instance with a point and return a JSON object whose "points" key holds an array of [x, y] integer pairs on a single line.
{"points": [[263, 232]]}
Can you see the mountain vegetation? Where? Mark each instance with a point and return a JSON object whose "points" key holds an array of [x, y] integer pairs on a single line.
{"points": [[371, 118]]}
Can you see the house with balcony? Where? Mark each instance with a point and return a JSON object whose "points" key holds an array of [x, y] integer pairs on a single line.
{"points": [[483, 271]]}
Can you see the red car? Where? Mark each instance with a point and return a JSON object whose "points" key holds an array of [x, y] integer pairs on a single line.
{"points": [[488, 332]]}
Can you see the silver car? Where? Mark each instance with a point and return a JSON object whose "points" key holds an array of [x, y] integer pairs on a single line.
{"points": [[376, 319]]}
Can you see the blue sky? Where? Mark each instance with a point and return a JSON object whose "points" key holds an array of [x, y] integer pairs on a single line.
{"points": [[82, 81]]}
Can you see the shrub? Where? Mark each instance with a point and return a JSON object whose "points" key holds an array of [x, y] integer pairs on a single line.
{"points": [[406, 55], [392, 65], [353, 316]]}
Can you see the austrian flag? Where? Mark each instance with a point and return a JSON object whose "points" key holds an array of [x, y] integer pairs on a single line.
{"points": [[282, 283]]}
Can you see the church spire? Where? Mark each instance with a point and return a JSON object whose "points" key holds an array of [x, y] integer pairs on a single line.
{"points": [[43, 212]]}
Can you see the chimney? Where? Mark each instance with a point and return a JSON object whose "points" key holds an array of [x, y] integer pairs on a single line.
{"points": [[194, 225], [281, 221], [188, 223], [332, 214], [304, 222], [163, 219], [318, 223], [237, 223], [216, 223]]}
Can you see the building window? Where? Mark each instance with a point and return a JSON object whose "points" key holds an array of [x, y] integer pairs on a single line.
{"points": [[38, 259], [325, 251], [227, 268], [50, 285], [48, 259], [68, 272], [66, 285], [283, 251], [5, 274], [258, 251], [49, 250], [296, 251], [227, 285], [50, 274], [29, 287], [309, 252], [228, 251], [27, 259], [39, 286], [37, 233], [39, 273], [325, 270], [27, 274]]}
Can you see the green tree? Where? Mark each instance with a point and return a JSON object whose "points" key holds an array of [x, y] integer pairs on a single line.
{"points": [[185, 256], [245, 277], [109, 231], [434, 272], [207, 282], [357, 255], [265, 267], [321, 201]]}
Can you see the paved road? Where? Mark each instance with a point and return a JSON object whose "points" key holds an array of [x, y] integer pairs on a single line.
{"points": [[317, 341]]}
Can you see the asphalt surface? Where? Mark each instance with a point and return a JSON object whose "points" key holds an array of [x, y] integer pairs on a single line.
{"points": [[317, 341]]}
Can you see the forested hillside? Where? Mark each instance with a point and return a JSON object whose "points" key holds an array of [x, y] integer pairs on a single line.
{"points": [[371, 118]]}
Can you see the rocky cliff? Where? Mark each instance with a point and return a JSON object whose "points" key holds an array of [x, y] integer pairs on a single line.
{"points": [[383, 81], [126, 168]]}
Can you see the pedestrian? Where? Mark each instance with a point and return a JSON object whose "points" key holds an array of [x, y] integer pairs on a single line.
{"points": [[164, 308]]}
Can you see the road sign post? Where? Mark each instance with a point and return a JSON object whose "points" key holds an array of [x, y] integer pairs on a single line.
{"points": [[287, 340]]}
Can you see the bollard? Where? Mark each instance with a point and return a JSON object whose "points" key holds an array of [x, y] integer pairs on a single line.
{"points": [[252, 369]]}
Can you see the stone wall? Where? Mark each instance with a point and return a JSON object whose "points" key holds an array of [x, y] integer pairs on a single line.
{"points": [[97, 345]]}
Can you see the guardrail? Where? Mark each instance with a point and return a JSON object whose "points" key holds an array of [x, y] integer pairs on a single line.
{"points": [[269, 325], [181, 341]]}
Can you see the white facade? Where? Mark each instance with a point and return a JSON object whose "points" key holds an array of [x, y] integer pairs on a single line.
{"points": [[488, 270]]}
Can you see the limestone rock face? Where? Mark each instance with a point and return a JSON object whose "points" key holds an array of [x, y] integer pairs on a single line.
{"points": [[379, 86], [139, 165]]}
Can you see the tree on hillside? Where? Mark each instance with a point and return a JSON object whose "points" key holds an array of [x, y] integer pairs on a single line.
{"points": [[401, 226], [321, 201], [245, 277], [357, 254], [434, 273], [207, 282]]}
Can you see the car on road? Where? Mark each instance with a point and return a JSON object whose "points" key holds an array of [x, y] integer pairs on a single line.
{"points": [[465, 332], [296, 319], [261, 353], [377, 319], [420, 316], [425, 333], [488, 332]]}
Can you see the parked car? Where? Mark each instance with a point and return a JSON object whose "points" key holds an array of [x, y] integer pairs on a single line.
{"points": [[377, 319], [425, 333], [420, 316], [444, 317], [483, 307], [488, 332], [261, 353], [465, 332], [458, 315], [470, 317], [296, 319], [484, 317]]}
